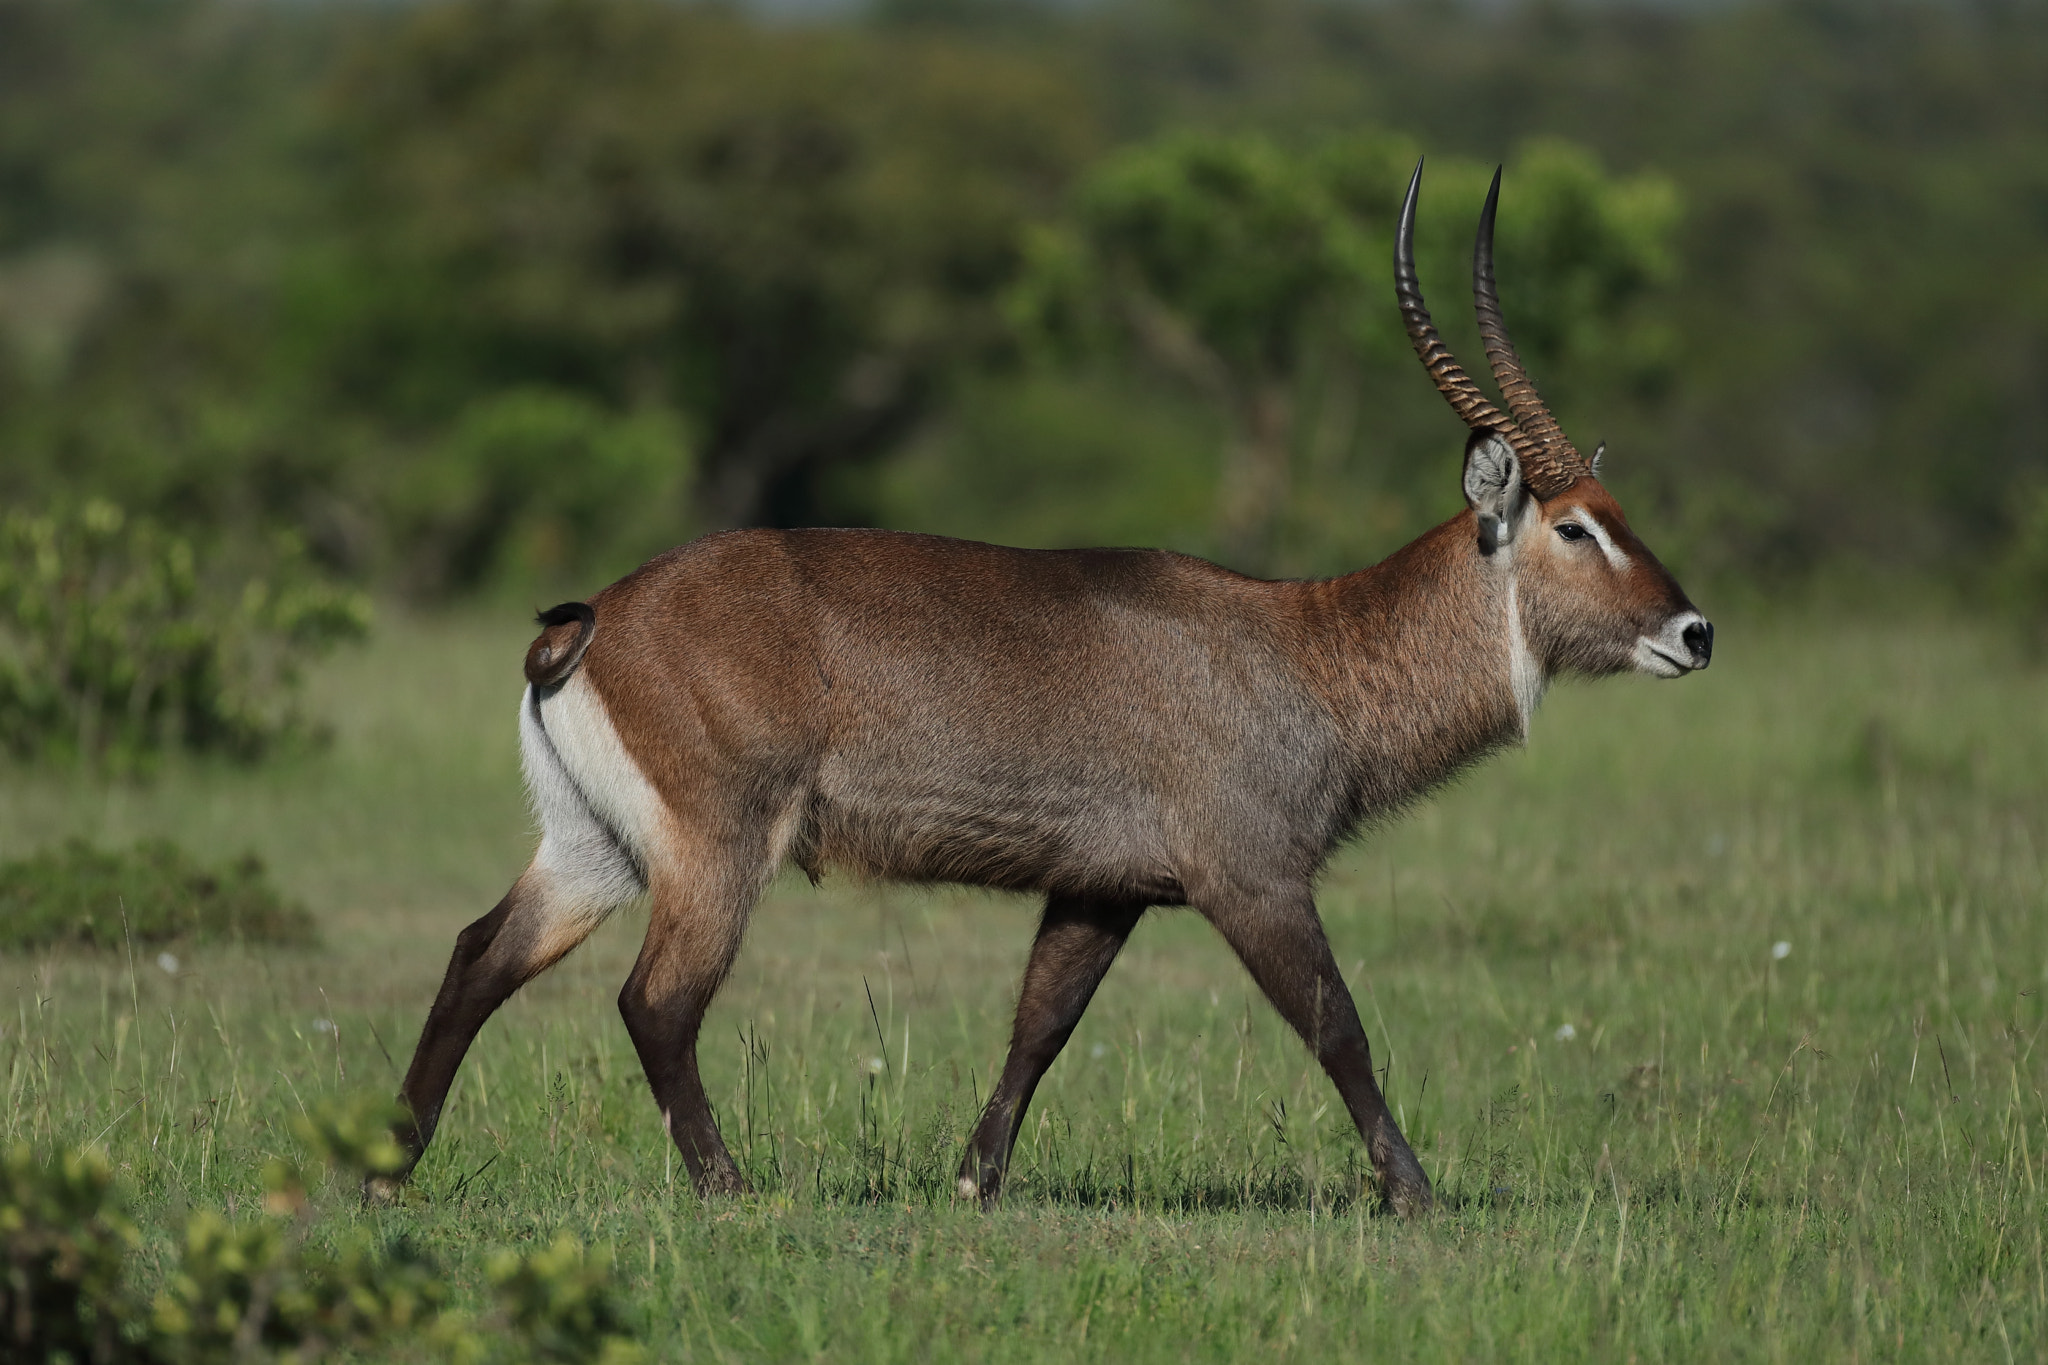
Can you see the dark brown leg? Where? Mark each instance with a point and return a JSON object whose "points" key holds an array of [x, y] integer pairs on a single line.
{"points": [[525, 934], [1077, 940], [1281, 943], [692, 938]]}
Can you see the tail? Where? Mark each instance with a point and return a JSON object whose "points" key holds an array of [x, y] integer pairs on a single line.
{"points": [[554, 656]]}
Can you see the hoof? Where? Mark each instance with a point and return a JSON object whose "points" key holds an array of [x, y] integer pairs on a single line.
{"points": [[382, 1190], [981, 1181], [724, 1182], [1410, 1200], [1404, 1185]]}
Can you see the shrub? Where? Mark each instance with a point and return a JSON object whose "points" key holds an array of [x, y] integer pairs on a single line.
{"points": [[259, 1292], [2020, 578], [559, 1302], [63, 1240], [259, 1284], [116, 643], [80, 894]]}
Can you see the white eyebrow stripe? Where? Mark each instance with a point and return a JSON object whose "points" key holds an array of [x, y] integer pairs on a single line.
{"points": [[1593, 528]]}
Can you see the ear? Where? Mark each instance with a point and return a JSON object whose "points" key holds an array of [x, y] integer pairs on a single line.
{"points": [[1493, 486], [1599, 453]]}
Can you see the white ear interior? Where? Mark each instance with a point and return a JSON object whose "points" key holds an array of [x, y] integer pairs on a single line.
{"points": [[1493, 488]]}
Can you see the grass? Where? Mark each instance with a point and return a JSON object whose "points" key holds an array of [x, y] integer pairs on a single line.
{"points": [[1652, 1137]]}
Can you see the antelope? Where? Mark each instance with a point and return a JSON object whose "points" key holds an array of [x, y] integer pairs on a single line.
{"points": [[1111, 729]]}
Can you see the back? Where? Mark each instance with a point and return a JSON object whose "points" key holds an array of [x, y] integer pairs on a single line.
{"points": [[947, 710]]}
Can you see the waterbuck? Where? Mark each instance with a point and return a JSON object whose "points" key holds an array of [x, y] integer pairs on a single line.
{"points": [[1111, 729]]}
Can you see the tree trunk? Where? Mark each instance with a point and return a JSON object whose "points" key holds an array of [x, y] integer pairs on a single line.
{"points": [[1255, 476], [767, 472]]}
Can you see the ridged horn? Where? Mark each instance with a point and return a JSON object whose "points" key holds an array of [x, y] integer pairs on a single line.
{"points": [[1449, 376], [1560, 462]]}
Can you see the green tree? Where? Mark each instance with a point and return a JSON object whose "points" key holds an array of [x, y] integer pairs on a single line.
{"points": [[1262, 275], [154, 189], [1856, 328], [788, 238]]}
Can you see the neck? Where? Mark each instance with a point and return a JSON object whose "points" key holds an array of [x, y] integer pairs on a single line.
{"points": [[1429, 666]]}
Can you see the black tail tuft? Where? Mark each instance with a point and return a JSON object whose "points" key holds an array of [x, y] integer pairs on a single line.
{"points": [[565, 613], [551, 658]]}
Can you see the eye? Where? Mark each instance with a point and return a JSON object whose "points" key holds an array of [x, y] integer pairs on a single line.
{"points": [[1571, 531]]}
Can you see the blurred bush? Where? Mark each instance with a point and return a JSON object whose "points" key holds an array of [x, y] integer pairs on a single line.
{"points": [[532, 484], [265, 1291], [560, 1303], [116, 644], [152, 893], [2019, 578], [1250, 271], [505, 295], [66, 1242], [785, 237]]}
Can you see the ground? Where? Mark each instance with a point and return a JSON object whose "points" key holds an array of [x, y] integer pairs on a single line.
{"points": [[1713, 1014]]}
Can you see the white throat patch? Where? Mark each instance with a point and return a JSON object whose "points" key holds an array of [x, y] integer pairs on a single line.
{"points": [[1525, 675]]}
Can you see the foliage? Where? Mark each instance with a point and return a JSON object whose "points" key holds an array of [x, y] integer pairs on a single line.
{"points": [[152, 893], [354, 1136], [1860, 284], [560, 1301], [1253, 271], [115, 646], [66, 1242], [1219, 254], [786, 236], [257, 1290], [494, 291], [499, 293], [263, 1290], [2019, 580], [533, 480]]}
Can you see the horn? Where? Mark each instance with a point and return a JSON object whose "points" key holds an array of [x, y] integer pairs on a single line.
{"points": [[1559, 462], [1450, 377]]}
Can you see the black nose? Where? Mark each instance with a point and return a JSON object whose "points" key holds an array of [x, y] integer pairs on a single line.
{"points": [[1699, 638]]}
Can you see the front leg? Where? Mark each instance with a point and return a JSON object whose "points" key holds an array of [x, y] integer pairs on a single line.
{"points": [[1280, 940], [1077, 941]]}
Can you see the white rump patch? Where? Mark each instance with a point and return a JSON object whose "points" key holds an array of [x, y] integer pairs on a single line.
{"points": [[598, 814]]}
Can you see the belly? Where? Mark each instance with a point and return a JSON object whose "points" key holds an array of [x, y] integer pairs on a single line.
{"points": [[1073, 832]]}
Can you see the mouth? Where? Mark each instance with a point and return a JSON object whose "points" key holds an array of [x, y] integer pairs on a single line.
{"points": [[1659, 662]]}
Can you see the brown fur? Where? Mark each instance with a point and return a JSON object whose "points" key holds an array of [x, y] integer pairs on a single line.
{"points": [[1112, 729], [566, 633]]}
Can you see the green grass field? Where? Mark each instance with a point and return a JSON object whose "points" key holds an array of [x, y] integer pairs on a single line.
{"points": [[1651, 1138]]}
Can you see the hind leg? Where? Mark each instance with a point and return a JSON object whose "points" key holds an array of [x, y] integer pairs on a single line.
{"points": [[693, 935], [540, 919]]}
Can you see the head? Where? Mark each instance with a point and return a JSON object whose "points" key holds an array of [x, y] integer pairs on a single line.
{"points": [[1590, 595]]}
